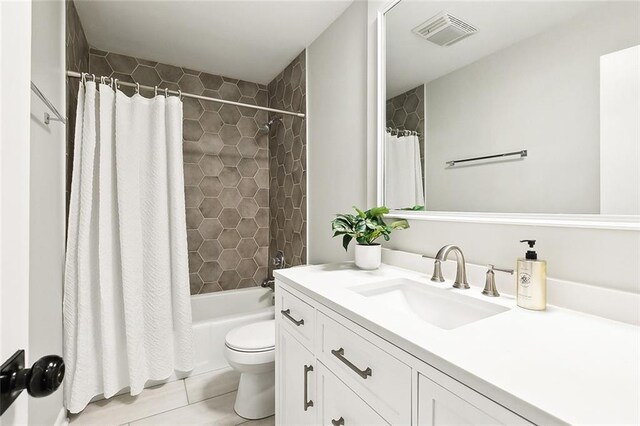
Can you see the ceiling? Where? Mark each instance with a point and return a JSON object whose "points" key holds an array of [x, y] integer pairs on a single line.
{"points": [[412, 61], [250, 40]]}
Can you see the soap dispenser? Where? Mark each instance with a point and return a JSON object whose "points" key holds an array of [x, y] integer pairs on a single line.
{"points": [[532, 280]]}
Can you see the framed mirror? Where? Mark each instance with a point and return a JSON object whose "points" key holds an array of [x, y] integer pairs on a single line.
{"points": [[519, 112]]}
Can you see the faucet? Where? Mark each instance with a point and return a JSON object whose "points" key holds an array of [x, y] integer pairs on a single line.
{"points": [[461, 271], [278, 263]]}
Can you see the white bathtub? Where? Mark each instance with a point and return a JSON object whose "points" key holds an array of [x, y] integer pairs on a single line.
{"points": [[215, 314]]}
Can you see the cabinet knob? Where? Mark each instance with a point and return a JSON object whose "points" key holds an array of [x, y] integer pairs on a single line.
{"points": [[42, 379], [338, 422]]}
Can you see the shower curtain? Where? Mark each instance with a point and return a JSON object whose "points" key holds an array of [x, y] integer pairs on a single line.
{"points": [[403, 172], [127, 312]]}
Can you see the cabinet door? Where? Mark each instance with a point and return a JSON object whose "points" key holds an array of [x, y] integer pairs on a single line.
{"points": [[295, 382], [340, 406], [438, 406]]}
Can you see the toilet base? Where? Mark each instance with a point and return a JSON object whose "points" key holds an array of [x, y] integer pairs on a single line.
{"points": [[256, 395]]}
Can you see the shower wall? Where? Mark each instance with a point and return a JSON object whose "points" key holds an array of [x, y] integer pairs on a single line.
{"points": [[226, 169], [288, 165], [245, 189]]}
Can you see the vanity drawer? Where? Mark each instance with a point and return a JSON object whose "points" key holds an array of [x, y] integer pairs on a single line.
{"points": [[340, 405], [377, 377], [297, 316]]}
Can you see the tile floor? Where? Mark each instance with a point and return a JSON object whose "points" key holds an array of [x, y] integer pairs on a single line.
{"points": [[205, 399]]}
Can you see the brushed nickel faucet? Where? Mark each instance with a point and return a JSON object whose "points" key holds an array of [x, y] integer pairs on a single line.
{"points": [[461, 271]]}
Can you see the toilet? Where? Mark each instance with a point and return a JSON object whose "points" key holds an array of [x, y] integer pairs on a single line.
{"points": [[250, 350]]}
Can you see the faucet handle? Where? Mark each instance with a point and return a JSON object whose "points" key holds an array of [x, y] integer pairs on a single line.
{"points": [[493, 268], [490, 283]]}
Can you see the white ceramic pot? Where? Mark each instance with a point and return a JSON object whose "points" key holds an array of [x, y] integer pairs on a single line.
{"points": [[368, 256]]}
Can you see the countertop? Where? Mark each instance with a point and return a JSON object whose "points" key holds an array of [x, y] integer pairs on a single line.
{"points": [[549, 366]]}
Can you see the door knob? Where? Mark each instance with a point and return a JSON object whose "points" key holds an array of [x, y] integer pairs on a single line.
{"points": [[42, 379]]}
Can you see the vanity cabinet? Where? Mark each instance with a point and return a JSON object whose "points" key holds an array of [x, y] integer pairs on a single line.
{"points": [[339, 405], [332, 371], [440, 406], [296, 382]]}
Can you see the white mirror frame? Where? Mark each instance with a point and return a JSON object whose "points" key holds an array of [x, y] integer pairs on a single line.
{"points": [[592, 221]]}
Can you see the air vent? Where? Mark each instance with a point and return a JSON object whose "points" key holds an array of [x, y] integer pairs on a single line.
{"points": [[444, 29]]}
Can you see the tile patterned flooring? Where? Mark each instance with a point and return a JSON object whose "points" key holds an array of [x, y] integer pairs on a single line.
{"points": [[205, 399]]}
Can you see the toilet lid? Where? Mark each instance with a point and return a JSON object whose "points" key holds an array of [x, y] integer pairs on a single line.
{"points": [[258, 336]]}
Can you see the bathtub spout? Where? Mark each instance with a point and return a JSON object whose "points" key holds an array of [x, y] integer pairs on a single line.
{"points": [[269, 282]]}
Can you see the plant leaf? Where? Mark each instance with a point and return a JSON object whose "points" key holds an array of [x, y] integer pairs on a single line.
{"points": [[345, 241], [400, 224], [377, 211]]}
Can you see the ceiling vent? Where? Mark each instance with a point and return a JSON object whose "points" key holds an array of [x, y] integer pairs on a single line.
{"points": [[444, 29]]}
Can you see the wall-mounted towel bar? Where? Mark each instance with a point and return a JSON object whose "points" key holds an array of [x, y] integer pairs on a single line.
{"points": [[522, 154], [48, 118]]}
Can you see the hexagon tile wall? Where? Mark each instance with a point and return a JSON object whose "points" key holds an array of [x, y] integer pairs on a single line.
{"points": [[226, 169], [406, 111], [288, 164]]}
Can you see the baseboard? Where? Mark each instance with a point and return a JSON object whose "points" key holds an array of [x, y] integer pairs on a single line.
{"points": [[62, 419]]}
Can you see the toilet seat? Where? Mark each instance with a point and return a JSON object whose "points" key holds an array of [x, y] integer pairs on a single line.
{"points": [[251, 338]]}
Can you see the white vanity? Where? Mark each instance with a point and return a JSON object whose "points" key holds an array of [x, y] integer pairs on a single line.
{"points": [[391, 347]]}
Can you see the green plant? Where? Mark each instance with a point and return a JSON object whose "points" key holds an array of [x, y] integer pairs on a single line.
{"points": [[365, 227]]}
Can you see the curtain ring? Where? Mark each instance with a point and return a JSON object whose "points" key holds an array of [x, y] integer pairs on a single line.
{"points": [[155, 90], [115, 84], [166, 92], [138, 88], [83, 78], [102, 79], [179, 94], [94, 77]]}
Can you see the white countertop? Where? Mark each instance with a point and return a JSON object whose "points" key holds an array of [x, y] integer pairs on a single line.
{"points": [[549, 366]]}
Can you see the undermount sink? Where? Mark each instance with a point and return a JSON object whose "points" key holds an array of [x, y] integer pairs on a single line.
{"points": [[440, 307]]}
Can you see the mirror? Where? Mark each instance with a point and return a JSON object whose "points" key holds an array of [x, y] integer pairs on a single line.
{"points": [[511, 107]]}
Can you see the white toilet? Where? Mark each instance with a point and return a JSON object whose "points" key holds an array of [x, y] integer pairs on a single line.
{"points": [[250, 349]]}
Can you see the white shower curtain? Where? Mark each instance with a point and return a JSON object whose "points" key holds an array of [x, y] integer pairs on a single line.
{"points": [[127, 312], [403, 172]]}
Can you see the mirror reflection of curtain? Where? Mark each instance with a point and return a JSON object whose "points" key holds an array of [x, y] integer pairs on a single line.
{"points": [[403, 172]]}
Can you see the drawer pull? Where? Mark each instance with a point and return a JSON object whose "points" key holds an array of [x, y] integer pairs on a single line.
{"points": [[338, 422], [307, 402], [287, 314], [340, 355]]}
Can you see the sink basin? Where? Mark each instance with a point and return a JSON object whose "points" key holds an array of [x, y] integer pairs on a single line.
{"points": [[440, 307]]}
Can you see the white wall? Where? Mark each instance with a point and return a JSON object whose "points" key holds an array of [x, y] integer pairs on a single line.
{"points": [[620, 132], [599, 257], [47, 198], [15, 40], [336, 129], [541, 94]]}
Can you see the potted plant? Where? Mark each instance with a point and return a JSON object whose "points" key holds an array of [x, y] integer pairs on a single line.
{"points": [[365, 227]]}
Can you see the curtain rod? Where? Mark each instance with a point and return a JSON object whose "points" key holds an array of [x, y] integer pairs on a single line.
{"points": [[75, 74], [404, 132]]}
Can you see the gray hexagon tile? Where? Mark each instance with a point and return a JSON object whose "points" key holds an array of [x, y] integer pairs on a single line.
{"points": [[226, 158], [286, 181]]}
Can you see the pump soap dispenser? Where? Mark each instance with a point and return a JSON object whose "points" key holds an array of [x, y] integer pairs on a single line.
{"points": [[532, 280]]}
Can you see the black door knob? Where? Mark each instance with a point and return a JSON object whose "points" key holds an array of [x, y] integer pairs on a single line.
{"points": [[42, 379]]}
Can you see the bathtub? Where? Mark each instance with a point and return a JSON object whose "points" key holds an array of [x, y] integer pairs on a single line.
{"points": [[215, 314]]}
